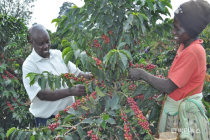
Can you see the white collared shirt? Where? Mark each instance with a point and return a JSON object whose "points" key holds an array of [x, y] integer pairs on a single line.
{"points": [[55, 64]]}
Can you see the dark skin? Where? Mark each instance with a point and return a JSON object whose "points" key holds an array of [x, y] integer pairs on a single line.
{"points": [[164, 85], [40, 40]]}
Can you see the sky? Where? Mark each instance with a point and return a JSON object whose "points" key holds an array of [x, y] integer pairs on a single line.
{"points": [[47, 10]]}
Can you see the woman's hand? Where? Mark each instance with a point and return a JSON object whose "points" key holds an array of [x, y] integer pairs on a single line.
{"points": [[135, 74]]}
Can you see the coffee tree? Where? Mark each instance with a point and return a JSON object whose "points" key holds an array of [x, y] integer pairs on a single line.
{"points": [[13, 112], [115, 107]]}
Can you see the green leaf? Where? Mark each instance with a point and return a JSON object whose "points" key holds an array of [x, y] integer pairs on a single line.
{"points": [[148, 93], [111, 112], [68, 118], [77, 53], [114, 102], [108, 104], [68, 138], [88, 120], [120, 45], [125, 25], [147, 137], [111, 121], [127, 53], [89, 9], [57, 82], [153, 113], [85, 108], [106, 117], [42, 82], [143, 15], [124, 59], [137, 7], [130, 19], [55, 20], [80, 131], [68, 57], [103, 125], [65, 51], [160, 98], [138, 90], [108, 56], [98, 91], [99, 121], [150, 5], [8, 82], [10, 131]]}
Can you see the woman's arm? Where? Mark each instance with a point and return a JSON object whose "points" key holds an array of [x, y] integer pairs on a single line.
{"points": [[165, 85]]}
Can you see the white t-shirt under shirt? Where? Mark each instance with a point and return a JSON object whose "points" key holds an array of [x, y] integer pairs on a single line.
{"points": [[55, 64]]}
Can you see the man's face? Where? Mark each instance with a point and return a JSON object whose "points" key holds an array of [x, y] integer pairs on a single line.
{"points": [[179, 33], [41, 43]]}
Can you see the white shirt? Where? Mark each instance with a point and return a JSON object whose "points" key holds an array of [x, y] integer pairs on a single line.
{"points": [[55, 64]]}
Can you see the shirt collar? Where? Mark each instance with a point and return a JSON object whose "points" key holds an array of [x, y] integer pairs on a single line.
{"points": [[198, 41], [38, 58]]}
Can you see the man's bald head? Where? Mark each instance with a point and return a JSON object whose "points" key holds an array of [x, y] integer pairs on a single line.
{"points": [[35, 30], [40, 40]]}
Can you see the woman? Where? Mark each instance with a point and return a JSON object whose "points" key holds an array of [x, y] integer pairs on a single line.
{"points": [[186, 74]]}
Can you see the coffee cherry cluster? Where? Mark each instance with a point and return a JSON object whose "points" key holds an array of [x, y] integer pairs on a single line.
{"points": [[132, 87], [96, 44], [130, 64], [10, 106], [4, 77], [110, 32], [57, 117], [127, 135], [93, 94], [138, 114], [150, 67], [53, 126], [140, 97], [71, 76], [98, 62], [142, 66], [10, 60], [102, 84], [106, 38], [9, 74], [123, 116], [93, 136]]}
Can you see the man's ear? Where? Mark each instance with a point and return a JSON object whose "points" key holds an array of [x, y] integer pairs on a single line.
{"points": [[29, 39]]}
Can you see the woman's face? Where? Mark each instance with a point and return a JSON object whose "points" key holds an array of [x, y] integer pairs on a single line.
{"points": [[179, 33]]}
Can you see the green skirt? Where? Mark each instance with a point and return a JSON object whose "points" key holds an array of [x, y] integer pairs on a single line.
{"points": [[194, 128]]}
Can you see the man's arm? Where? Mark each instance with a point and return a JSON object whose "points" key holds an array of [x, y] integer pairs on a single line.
{"points": [[165, 85], [49, 95]]}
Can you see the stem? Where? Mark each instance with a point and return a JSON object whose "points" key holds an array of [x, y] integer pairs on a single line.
{"points": [[134, 132], [116, 137], [123, 94]]}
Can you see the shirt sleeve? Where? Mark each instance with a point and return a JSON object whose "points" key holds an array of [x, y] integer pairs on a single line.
{"points": [[32, 90], [183, 70], [71, 66]]}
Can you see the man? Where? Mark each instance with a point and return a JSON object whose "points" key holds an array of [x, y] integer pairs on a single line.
{"points": [[45, 104]]}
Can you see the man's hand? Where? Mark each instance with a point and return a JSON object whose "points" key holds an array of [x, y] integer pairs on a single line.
{"points": [[135, 74], [78, 90]]}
